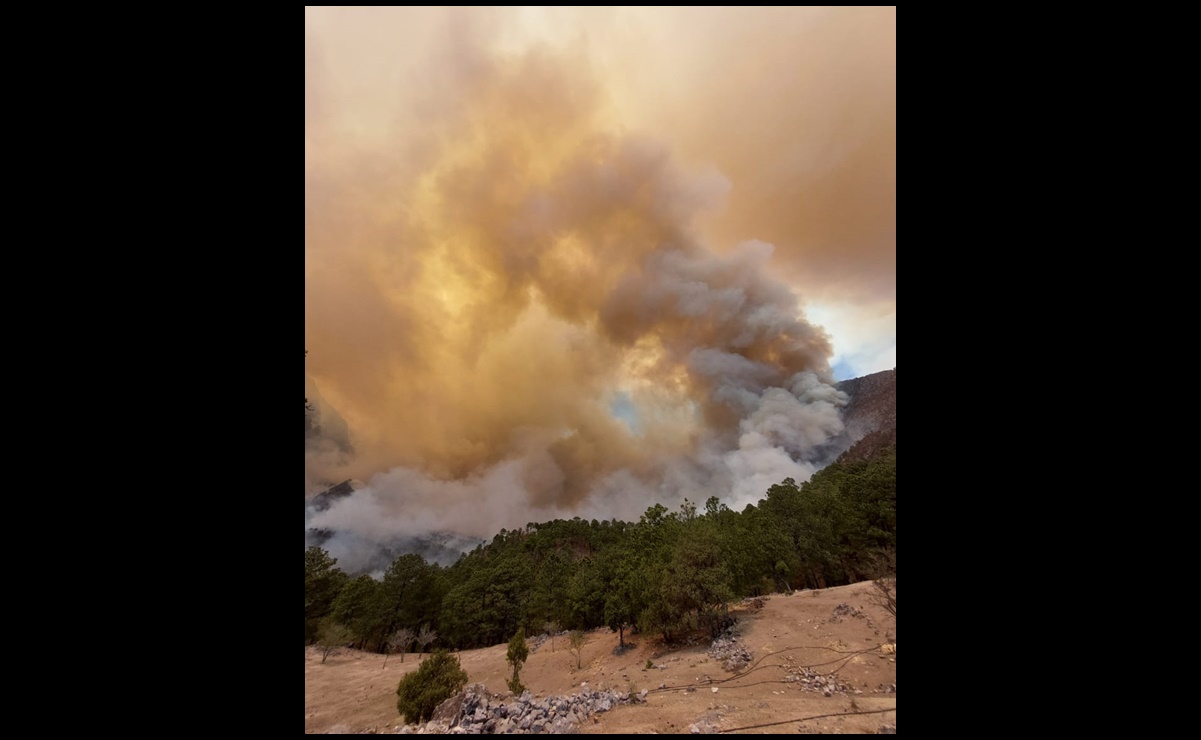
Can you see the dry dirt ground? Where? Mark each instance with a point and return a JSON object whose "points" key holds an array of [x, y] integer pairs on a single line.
{"points": [[352, 692]]}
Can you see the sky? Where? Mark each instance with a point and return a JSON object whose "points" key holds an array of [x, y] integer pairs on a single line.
{"points": [[580, 260]]}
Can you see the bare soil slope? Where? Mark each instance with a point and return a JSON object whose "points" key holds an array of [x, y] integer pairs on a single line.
{"points": [[352, 692]]}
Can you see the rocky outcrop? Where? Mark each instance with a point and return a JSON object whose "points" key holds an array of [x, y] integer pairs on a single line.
{"points": [[475, 711]]}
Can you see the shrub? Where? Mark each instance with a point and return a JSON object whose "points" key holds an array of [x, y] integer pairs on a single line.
{"points": [[401, 638], [419, 693], [577, 640], [551, 628], [332, 637], [884, 581], [516, 656]]}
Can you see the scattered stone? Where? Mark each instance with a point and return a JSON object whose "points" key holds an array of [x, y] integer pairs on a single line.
{"points": [[704, 726], [474, 711], [844, 610], [809, 680], [730, 652]]}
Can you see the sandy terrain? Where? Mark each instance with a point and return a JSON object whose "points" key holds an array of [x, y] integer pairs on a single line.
{"points": [[354, 692]]}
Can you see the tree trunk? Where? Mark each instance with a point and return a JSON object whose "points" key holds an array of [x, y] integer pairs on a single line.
{"points": [[784, 582]]}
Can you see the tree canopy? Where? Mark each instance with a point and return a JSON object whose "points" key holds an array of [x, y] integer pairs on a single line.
{"points": [[667, 574]]}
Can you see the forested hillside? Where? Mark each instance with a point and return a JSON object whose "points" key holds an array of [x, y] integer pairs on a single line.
{"points": [[668, 574]]}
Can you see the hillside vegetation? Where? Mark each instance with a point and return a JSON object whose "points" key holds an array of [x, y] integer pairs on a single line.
{"points": [[671, 574]]}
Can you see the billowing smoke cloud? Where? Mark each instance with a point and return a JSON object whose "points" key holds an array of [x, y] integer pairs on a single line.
{"points": [[512, 290]]}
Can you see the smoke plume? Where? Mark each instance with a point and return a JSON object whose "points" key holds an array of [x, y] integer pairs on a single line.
{"points": [[521, 292]]}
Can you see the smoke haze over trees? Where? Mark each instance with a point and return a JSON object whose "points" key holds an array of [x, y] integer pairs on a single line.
{"points": [[668, 574]]}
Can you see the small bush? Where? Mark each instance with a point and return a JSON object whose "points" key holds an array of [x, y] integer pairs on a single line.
{"points": [[516, 656], [884, 581], [332, 637], [577, 640], [419, 693], [515, 685], [551, 629]]}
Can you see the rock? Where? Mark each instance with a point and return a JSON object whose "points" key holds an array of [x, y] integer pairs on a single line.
{"points": [[887, 730], [561, 727], [448, 711]]}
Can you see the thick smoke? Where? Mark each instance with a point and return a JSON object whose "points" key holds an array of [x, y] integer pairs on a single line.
{"points": [[510, 298]]}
